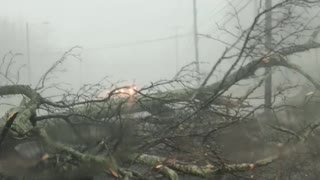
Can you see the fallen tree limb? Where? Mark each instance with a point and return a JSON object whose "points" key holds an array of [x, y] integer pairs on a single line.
{"points": [[202, 171], [106, 162]]}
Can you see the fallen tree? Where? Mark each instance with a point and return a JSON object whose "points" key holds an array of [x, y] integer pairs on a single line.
{"points": [[169, 128]]}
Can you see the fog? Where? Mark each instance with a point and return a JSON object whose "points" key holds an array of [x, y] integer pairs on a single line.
{"points": [[147, 96], [135, 41]]}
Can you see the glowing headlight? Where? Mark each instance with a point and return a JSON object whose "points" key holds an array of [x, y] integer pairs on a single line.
{"points": [[125, 91]]}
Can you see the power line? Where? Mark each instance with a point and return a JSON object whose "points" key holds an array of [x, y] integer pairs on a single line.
{"points": [[142, 42], [231, 18], [203, 20], [223, 8], [155, 40], [239, 11], [214, 12], [129, 44]]}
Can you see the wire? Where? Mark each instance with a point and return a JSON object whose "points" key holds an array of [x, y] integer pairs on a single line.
{"points": [[138, 43], [238, 11], [128, 44], [204, 20], [155, 40], [231, 18], [224, 7], [142, 42], [214, 12]]}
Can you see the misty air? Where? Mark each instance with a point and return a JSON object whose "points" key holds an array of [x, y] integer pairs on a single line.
{"points": [[159, 89]]}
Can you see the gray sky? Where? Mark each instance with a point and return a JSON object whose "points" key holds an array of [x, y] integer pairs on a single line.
{"points": [[115, 35]]}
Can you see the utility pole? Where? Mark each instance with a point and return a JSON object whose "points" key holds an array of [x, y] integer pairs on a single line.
{"points": [[29, 66], [28, 53], [196, 40], [177, 49], [80, 73], [268, 69]]}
